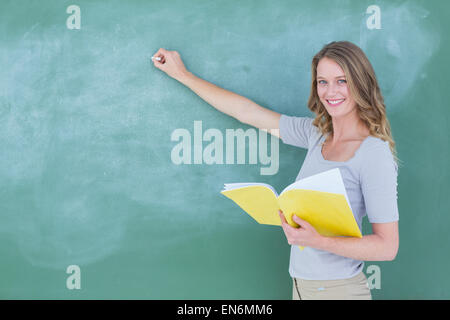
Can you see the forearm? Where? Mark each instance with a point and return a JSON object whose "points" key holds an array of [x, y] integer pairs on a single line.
{"points": [[230, 103], [368, 248], [224, 100]]}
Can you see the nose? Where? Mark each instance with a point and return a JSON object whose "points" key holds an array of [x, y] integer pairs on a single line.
{"points": [[331, 90]]}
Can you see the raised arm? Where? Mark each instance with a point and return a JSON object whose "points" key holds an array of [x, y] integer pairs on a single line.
{"points": [[230, 103]]}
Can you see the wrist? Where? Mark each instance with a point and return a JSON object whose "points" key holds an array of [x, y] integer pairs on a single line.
{"points": [[185, 78], [324, 243]]}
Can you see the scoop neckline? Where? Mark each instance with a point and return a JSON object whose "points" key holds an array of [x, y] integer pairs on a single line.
{"points": [[322, 140]]}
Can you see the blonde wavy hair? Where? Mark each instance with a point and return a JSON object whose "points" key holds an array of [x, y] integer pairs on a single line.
{"points": [[363, 87]]}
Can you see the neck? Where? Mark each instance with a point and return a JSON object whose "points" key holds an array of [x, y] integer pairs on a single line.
{"points": [[348, 127]]}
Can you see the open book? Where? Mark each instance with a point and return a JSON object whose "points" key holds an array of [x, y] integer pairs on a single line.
{"points": [[320, 199]]}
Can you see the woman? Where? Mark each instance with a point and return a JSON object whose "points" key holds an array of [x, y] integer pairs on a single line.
{"points": [[351, 132]]}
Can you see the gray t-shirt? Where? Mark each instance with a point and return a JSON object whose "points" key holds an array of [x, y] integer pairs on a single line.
{"points": [[370, 179]]}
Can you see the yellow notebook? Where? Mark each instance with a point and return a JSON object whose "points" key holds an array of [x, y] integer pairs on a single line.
{"points": [[320, 199]]}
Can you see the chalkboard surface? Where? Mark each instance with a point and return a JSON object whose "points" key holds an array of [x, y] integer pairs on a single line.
{"points": [[93, 203]]}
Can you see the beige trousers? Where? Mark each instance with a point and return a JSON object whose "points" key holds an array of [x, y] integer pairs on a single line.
{"points": [[355, 288]]}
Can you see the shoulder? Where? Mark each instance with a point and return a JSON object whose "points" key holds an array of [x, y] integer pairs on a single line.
{"points": [[376, 152], [297, 131], [297, 120], [374, 146]]}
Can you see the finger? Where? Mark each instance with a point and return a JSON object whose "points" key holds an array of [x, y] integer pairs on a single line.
{"points": [[283, 220], [300, 221], [159, 59], [284, 223], [282, 217], [161, 53], [287, 227], [286, 231], [296, 218], [158, 64]]}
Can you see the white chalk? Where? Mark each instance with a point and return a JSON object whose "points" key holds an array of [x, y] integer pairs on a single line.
{"points": [[156, 58]]}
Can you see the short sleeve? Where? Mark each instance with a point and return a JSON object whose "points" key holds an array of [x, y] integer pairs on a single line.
{"points": [[379, 185], [295, 131]]}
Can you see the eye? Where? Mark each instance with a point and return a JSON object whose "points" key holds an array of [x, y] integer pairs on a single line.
{"points": [[322, 82], [343, 81]]}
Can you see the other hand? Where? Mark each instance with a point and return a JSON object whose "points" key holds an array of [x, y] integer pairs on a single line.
{"points": [[305, 235], [170, 63]]}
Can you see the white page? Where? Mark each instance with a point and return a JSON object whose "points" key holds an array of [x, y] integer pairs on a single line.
{"points": [[328, 181], [232, 186]]}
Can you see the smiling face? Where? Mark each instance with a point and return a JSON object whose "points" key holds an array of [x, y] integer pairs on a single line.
{"points": [[332, 88]]}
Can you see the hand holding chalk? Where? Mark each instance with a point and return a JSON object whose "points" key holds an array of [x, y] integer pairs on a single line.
{"points": [[170, 62]]}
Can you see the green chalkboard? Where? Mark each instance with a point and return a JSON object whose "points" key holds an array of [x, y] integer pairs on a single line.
{"points": [[88, 176]]}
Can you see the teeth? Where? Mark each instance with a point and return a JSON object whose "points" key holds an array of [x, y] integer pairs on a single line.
{"points": [[335, 101]]}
